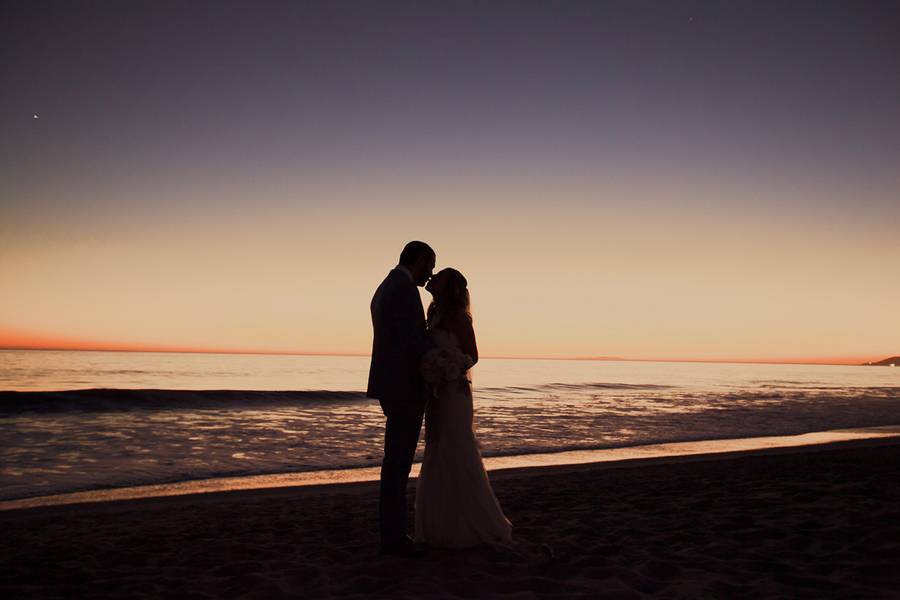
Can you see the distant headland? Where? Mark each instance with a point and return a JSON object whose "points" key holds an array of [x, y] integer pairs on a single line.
{"points": [[888, 362]]}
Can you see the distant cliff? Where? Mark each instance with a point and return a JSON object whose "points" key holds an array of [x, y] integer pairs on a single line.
{"points": [[888, 362]]}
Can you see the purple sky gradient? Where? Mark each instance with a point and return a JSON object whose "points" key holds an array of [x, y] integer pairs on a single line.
{"points": [[164, 113]]}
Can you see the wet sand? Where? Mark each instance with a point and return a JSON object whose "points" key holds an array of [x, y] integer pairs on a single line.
{"points": [[813, 521], [678, 451]]}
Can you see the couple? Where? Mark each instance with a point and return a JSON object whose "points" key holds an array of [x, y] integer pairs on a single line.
{"points": [[420, 370]]}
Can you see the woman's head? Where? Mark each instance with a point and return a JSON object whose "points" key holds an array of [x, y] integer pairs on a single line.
{"points": [[450, 296]]}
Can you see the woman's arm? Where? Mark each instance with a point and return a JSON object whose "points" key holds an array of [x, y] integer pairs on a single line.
{"points": [[465, 333]]}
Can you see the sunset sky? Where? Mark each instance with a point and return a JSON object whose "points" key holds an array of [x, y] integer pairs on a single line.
{"points": [[649, 180]]}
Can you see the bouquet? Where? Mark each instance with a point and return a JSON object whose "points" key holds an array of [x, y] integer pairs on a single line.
{"points": [[440, 365]]}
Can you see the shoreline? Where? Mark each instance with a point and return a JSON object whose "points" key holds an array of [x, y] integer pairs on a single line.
{"points": [[499, 467]]}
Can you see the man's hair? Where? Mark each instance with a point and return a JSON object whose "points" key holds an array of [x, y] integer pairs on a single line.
{"points": [[414, 251]]}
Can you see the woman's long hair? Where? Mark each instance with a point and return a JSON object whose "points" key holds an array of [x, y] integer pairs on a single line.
{"points": [[451, 301]]}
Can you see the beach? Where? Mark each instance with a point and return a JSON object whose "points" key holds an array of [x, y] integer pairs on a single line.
{"points": [[813, 521]]}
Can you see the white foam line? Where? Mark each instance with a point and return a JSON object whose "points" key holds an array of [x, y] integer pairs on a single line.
{"points": [[573, 457]]}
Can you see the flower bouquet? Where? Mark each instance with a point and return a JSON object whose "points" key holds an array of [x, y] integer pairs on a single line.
{"points": [[440, 365]]}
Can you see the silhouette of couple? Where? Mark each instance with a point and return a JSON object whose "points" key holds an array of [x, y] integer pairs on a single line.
{"points": [[419, 371]]}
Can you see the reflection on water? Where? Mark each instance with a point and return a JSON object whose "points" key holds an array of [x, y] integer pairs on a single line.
{"points": [[522, 407]]}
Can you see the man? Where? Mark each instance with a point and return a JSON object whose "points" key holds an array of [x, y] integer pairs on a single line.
{"points": [[400, 339]]}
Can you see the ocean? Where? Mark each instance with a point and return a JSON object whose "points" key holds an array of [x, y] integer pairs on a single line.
{"points": [[75, 421]]}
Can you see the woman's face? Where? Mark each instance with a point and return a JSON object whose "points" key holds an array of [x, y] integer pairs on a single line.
{"points": [[436, 283]]}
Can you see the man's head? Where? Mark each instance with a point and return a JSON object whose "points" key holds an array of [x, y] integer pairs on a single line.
{"points": [[418, 257]]}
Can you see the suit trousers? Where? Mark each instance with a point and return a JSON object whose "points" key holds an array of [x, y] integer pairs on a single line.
{"points": [[401, 436]]}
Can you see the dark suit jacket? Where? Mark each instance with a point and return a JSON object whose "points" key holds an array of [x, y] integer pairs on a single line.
{"points": [[399, 342]]}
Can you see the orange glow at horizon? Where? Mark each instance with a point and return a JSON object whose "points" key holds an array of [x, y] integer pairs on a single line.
{"points": [[686, 283], [10, 340], [18, 340]]}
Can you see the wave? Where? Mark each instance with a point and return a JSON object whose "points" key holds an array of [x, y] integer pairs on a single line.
{"points": [[577, 387], [126, 399], [111, 400], [607, 386], [114, 399]]}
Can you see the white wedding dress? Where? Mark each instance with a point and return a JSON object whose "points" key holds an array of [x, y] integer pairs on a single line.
{"points": [[455, 505]]}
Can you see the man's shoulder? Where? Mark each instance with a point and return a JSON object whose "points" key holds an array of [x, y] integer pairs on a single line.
{"points": [[391, 287], [397, 279]]}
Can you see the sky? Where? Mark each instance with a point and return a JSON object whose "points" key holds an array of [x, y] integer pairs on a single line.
{"points": [[675, 180]]}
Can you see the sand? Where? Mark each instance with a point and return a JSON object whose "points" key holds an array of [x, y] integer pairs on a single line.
{"points": [[810, 522]]}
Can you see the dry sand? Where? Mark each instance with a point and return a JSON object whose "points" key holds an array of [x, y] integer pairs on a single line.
{"points": [[820, 521]]}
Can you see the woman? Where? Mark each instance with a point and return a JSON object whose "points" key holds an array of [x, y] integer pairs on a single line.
{"points": [[455, 505]]}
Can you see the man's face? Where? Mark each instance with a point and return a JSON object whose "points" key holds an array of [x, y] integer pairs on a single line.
{"points": [[424, 270]]}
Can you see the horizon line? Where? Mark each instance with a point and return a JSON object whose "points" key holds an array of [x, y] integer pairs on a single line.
{"points": [[851, 361]]}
